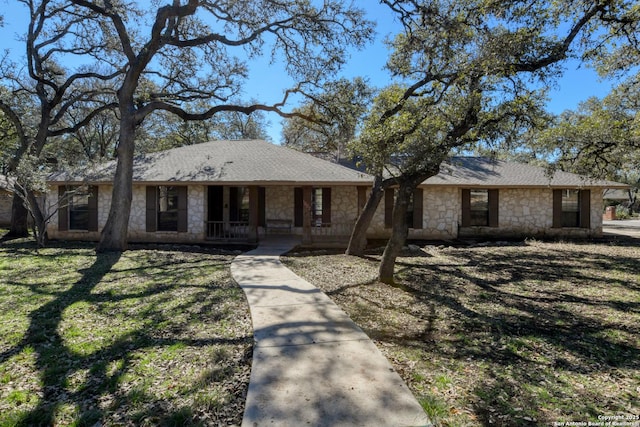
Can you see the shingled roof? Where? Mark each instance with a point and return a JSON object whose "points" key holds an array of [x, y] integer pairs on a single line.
{"points": [[246, 162], [491, 173], [237, 162]]}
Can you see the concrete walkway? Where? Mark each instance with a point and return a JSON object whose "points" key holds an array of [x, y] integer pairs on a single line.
{"points": [[312, 366]]}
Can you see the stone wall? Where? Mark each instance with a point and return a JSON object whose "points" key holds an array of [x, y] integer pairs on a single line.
{"points": [[523, 212], [529, 213], [279, 204], [195, 211], [137, 219], [441, 212]]}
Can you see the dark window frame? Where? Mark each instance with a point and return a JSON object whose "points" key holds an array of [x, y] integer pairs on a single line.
{"points": [[79, 211], [156, 220], [415, 208], [239, 204], [72, 217], [488, 217], [167, 208], [576, 214], [319, 216]]}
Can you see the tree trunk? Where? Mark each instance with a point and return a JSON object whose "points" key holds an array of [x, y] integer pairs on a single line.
{"points": [[114, 234], [19, 217], [39, 221], [358, 240], [399, 233]]}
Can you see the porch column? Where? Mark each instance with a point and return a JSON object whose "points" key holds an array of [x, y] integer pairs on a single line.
{"points": [[253, 214], [306, 215]]}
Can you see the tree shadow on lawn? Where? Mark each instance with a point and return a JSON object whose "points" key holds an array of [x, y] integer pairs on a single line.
{"points": [[56, 362], [540, 333], [553, 325]]}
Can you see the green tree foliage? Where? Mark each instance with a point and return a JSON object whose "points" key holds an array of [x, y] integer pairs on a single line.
{"points": [[467, 69], [41, 93], [337, 114], [600, 139], [188, 52]]}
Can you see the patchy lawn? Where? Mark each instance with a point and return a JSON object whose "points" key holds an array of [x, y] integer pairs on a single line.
{"points": [[517, 335], [149, 337]]}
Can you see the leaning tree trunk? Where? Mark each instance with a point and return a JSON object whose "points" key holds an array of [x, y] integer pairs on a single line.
{"points": [[114, 234], [39, 221], [358, 240], [399, 233]]}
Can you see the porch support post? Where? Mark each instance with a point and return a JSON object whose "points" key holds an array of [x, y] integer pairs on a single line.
{"points": [[253, 214], [306, 215]]}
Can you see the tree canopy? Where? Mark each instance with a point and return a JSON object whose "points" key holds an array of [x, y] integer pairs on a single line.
{"points": [[189, 52], [470, 71], [336, 115]]}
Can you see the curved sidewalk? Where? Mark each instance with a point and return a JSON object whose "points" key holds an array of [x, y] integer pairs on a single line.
{"points": [[311, 364]]}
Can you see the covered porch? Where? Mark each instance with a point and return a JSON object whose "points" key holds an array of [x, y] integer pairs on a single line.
{"points": [[247, 213]]}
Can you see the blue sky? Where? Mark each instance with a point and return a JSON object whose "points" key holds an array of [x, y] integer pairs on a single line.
{"points": [[266, 83]]}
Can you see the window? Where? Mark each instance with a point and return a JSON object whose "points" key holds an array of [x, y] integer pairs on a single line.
{"points": [[571, 208], [480, 208], [79, 211], [167, 208], [239, 204], [319, 202], [414, 216], [78, 208], [409, 214], [316, 207]]}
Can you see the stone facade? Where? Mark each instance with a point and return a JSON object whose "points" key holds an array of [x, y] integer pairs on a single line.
{"points": [[522, 212], [529, 213], [196, 202], [279, 204], [441, 213]]}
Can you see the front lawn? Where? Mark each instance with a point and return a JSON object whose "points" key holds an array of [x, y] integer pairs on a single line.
{"points": [[149, 337], [517, 335]]}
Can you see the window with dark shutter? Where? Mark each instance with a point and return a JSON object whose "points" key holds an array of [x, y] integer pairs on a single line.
{"points": [[78, 208], [571, 208], [167, 208], [321, 207], [480, 208], [585, 208], [494, 207], [92, 224], [326, 207]]}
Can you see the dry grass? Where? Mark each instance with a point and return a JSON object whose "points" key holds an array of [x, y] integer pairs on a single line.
{"points": [[523, 334]]}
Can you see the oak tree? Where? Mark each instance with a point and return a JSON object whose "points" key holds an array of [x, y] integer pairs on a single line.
{"points": [[473, 64], [190, 51], [56, 35]]}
